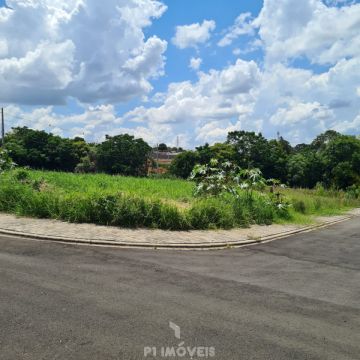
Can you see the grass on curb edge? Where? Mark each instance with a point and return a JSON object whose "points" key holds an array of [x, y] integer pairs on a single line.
{"points": [[151, 203]]}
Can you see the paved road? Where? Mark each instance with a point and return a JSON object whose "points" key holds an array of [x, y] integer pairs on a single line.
{"points": [[296, 298]]}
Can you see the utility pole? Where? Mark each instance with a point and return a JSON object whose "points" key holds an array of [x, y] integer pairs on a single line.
{"points": [[2, 127], [157, 159]]}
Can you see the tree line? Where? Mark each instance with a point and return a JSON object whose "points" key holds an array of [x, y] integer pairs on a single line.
{"points": [[121, 154], [331, 159]]}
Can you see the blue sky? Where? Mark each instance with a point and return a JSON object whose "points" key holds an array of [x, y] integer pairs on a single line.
{"points": [[180, 68], [183, 12]]}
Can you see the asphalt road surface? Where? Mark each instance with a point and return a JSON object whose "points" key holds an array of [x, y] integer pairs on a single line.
{"points": [[295, 298]]}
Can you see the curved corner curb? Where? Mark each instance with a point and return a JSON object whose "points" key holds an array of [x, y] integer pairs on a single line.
{"points": [[171, 246], [306, 229]]}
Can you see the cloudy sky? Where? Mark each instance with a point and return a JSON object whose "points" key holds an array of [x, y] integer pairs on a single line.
{"points": [[193, 69]]}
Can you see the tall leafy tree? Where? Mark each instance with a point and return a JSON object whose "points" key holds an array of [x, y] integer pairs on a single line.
{"points": [[276, 166], [305, 169], [223, 152], [41, 150], [321, 141], [252, 150], [162, 147], [184, 163], [341, 157], [123, 154]]}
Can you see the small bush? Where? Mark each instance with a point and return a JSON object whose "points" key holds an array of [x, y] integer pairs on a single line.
{"points": [[320, 189], [262, 213], [6, 162], [353, 192], [22, 175], [317, 204], [299, 206], [242, 213], [211, 213]]}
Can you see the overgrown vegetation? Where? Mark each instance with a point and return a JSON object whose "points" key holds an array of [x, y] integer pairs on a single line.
{"points": [[332, 159], [245, 188], [121, 154], [232, 184], [157, 203], [6, 162]]}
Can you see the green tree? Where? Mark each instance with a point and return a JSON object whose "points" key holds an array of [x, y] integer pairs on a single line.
{"points": [[162, 147], [342, 159], [223, 152], [322, 140], [305, 169], [204, 153], [252, 150], [279, 152], [184, 163], [40, 150], [301, 148], [123, 154]]}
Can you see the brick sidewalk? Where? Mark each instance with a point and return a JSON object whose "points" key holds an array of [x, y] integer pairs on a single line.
{"points": [[91, 233]]}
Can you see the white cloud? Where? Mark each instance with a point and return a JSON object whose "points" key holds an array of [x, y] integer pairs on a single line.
{"points": [[349, 126], [339, 2], [242, 26], [195, 63], [297, 102], [214, 131], [93, 122], [78, 48], [270, 96], [291, 29], [3, 48], [194, 34], [299, 113], [218, 97]]}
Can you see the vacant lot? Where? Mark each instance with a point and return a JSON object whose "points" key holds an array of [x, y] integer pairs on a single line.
{"points": [[152, 203]]}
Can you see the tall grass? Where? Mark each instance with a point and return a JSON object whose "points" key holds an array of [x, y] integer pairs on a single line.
{"points": [[319, 202], [150, 203], [177, 190]]}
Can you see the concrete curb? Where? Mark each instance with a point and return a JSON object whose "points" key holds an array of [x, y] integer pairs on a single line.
{"points": [[174, 246]]}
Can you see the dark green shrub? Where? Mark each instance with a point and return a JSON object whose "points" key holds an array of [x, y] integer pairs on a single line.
{"points": [[211, 214], [353, 192], [6, 162], [262, 213], [299, 206], [22, 175], [172, 219], [104, 209], [242, 214], [75, 208], [317, 204]]}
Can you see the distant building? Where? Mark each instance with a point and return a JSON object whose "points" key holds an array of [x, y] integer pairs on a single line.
{"points": [[160, 161]]}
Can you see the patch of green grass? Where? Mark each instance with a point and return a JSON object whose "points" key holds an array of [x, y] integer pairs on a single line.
{"points": [[170, 189], [309, 203], [153, 203]]}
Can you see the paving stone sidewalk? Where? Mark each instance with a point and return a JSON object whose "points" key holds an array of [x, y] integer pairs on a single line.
{"points": [[59, 230]]}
